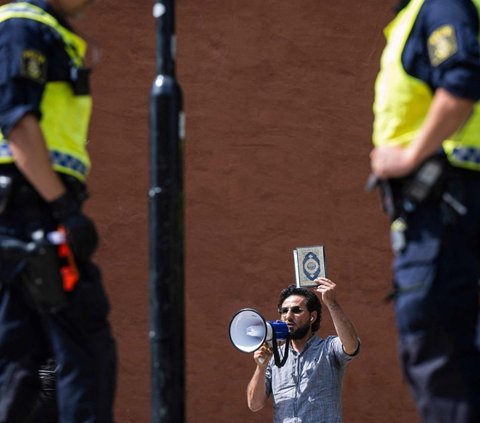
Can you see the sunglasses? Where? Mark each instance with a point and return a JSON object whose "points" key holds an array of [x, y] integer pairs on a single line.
{"points": [[294, 310]]}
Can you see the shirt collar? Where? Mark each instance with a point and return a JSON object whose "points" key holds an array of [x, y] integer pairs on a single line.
{"points": [[310, 341]]}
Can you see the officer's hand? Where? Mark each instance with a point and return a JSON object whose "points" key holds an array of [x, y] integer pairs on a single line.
{"points": [[80, 230], [392, 161], [262, 355]]}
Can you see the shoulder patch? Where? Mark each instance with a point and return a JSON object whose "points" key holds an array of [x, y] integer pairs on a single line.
{"points": [[34, 66], [442, 44]]}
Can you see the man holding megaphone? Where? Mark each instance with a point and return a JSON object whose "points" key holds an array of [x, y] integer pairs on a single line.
{"points": [[307, 388]]}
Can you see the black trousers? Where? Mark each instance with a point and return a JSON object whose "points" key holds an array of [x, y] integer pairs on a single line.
{"points": [[78, 337], [437, 307]]}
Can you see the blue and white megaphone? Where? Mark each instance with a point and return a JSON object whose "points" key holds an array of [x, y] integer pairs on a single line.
{"points": [[249, 331]]}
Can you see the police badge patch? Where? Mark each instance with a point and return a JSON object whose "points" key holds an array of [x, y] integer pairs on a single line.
{"points": [[34, 66], [442, 44]]}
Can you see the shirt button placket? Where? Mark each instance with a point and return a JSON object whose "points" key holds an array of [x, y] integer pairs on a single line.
{"points": [[296, 378]]}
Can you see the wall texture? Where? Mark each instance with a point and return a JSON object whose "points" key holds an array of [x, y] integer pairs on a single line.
{"points": [[278, 101]]}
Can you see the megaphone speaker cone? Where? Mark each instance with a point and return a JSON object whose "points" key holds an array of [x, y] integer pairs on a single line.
{"points": [[248, 330]]}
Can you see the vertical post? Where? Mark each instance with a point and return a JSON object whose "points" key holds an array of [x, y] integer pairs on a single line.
{"points": [[166, 216]]}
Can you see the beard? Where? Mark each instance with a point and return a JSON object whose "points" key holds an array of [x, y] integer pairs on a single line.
{"points": [[300, 332]]}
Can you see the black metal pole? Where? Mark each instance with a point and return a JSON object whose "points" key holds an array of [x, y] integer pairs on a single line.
{"points": [[166, 217]]}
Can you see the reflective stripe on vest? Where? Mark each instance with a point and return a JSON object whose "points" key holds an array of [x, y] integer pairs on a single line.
{"points": [[65, 116], [402, 101]]}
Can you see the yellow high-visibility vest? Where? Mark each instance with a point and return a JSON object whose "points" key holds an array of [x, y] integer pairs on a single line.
{"points": [[65, 116], [402, 101]]}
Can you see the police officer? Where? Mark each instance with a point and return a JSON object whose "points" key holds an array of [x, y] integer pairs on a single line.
{"points": [[427, 146], [45, 106]]}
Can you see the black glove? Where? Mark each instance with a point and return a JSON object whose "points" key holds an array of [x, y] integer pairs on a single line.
{"points": [[81, 232]]}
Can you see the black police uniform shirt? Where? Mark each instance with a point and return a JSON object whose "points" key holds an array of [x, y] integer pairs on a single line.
{"points": [[30, 54], [443, 48]]}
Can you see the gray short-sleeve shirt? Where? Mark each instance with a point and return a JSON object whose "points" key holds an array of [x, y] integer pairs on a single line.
{"points": [[307, 389]]}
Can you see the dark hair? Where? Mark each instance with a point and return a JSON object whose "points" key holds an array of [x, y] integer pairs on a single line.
{"points": [[311, 301]]}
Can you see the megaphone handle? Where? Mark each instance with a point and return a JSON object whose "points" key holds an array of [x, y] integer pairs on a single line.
{"points": [[261, 360]]}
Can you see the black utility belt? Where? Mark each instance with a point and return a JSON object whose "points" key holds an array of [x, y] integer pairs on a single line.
{"points": [[434, 180], [403, 195], [465, 172], [17, 191]]}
